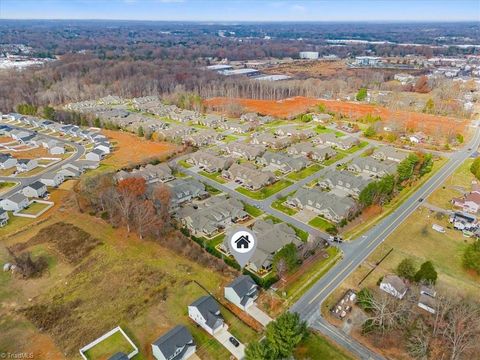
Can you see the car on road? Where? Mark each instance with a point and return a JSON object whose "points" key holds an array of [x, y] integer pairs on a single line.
{"points": [[335, 238], [234, 341], [420, 200]]}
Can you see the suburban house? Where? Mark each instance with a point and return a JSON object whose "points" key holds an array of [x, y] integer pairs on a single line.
{"points": [[245, 151], [249, 176], [26, 164], [82, 165], [417, 138], [322, 118], [463, 221], [102, 147], [270, 141], [54, 147], [330, 206], [293, 131], [3, 218], [283, 162], [427, 303], [271, 238], [16, 202], [307, 150], [242, 292], [202, 138], [211, 120], [36, 189], [206, 313], [236, 127], [212, 216], [370, 166], [176, 344], [209, 162], [177, 132], [254, 117], [394, 285], [183, 190], [52, 179], [344, 181], [469, 202], [343, 142], [70, 171], [151, 173], [7, 161], [389, 153], [95, 155]]}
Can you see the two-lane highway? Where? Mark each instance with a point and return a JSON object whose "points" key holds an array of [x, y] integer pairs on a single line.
{"points": [[308, 306]]}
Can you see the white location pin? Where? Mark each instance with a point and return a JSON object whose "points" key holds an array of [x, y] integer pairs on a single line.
{"points": [[242, 243]]}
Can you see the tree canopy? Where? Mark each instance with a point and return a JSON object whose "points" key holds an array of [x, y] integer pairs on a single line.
{"points": [[407, 269], [426, 273]]}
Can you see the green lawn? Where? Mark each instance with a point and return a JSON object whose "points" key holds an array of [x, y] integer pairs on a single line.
{"points": [[213, 176], [316, 346], [339, 156], [302, 234], [266, 191], [6, 185], [302, 174], [212, 190], [355, 148], [252, 210], [110, 346], [278, 205], [230, 138], [185, 164], [323, 130], [274, 219], [320, 223], [34, 208]]}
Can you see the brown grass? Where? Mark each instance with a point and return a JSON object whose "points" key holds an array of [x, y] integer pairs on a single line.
{"points": [[131, 149], [287, 108]]}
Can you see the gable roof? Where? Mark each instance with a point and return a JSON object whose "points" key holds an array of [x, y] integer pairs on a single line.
{"points": [[173, 340], [242, 285], [37, 185], [208, 307]]}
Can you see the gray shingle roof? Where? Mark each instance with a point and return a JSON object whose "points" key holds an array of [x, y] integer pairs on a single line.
{"points": [[208, 307], [177, 338]]}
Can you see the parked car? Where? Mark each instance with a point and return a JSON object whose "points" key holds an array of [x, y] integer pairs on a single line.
{"points": [[234, 341]]}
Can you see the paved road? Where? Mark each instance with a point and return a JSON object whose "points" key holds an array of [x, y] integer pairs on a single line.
{"points": [[355, 252], [265, 205], [79, 151]]}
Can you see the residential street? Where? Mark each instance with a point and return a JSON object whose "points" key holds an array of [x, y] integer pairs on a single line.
{"points": [[356, 251]]}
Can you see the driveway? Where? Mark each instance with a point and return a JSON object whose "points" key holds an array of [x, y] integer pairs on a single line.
{"points": [[258, 315], [222, 336]]}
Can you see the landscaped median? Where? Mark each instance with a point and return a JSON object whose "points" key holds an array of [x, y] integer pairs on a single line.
{"points": [[302, 174], [267, 191]]}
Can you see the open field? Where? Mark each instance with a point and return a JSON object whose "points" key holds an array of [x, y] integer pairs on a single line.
{"points": [[89, 296], [307, 69], [288, 108], [316, 346], [454, 186], [131, 149]]}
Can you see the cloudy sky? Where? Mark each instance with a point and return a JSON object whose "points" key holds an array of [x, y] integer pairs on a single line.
{"points": [[245, 10]]}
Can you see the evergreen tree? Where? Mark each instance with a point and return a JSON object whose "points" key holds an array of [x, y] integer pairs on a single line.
{"points": [[140, 132], [285, 333], [362, 94], [48, 112], [97, 123], [260, 351], [426, 273], [407, 269], [471, 256]]}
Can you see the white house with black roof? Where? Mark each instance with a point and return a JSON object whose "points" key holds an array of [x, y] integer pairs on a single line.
{"points": [[95, 155], [206, 313], [242, 292], [36, 189], [26, 164], [176, 344], [7, 161], [52, 179]]}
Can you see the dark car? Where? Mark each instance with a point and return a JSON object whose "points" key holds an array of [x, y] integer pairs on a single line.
{"points": [[420, 200], [234, 341]]}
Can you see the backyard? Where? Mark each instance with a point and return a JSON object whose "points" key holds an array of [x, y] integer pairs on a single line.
{"points": [[110, 346], [216, 176], [266, 191], [302, 174]]}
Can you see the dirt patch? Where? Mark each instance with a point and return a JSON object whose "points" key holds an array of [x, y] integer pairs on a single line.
{"points": [[131, 149], [288, 108], [309, 69], [32, 153], [71, 242]]}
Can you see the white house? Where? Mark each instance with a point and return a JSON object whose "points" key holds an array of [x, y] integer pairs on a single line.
{"points": [[70, 171], [36, 189], [176, 344], [3, 218], [242, 292], [394, 285], [7, 161], [95, 155], [15, 202], [55, 147], [103, 147], [52, 179], [26, 164], [206, 313]]}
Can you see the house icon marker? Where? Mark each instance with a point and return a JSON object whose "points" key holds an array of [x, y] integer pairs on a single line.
{"points": [[243, 242]]}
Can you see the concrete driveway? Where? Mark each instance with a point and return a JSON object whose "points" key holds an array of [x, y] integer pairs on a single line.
{"points": [[258, 315], [222, 336]]}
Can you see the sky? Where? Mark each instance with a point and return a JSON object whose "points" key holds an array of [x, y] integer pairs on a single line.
{"points": [[245, 10]]}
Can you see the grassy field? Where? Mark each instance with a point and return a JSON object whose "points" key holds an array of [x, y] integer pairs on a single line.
{"points": [[461, 178], [320, 223], [108, 347], [6, 185], [34, 208], [267, 191], [316, 346], [252, 210], [302, 174], [213, 176], [160, 287]]}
